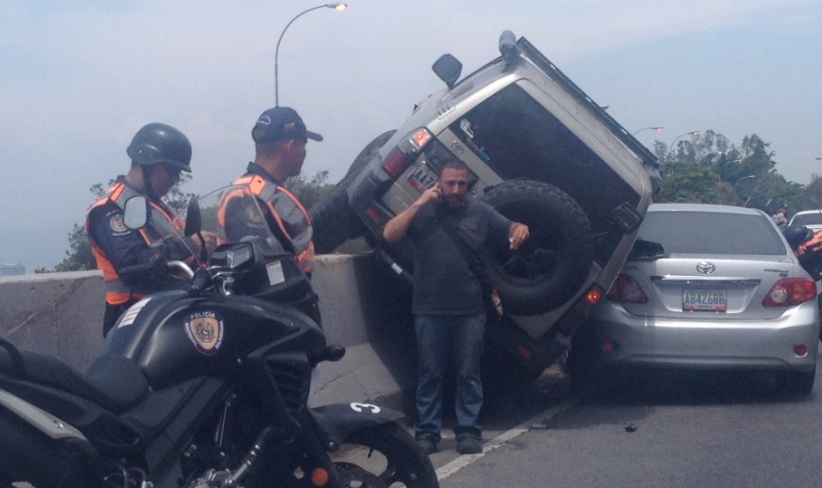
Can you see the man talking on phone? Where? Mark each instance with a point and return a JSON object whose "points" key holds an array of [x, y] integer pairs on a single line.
{"points": [[448, 308]]}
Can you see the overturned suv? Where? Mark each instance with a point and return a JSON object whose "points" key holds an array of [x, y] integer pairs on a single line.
{"points": [[542, 153]]}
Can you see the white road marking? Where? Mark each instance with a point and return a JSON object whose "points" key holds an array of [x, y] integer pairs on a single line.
{"points": [[500, 440]]}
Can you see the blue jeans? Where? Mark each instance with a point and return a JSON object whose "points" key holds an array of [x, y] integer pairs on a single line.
{"points": [[460, 339]]}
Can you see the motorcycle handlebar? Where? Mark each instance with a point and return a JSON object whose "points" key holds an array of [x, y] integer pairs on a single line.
{"points": [[149, 267], [183, 267]]}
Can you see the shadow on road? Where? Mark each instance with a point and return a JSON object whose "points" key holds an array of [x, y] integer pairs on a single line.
{"points": [[628, 399], [650, 388]]}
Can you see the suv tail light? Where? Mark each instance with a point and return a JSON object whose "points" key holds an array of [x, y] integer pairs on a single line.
{"points": [[406, 152], [790, 291], [573, 319], [626, 290]]}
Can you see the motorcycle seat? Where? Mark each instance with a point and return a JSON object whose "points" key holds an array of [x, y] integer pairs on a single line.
{"points": [[113, 382]]}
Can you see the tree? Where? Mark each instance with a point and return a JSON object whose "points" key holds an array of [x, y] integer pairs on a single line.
{"points": [[708, 168], [811, 198], [310, 191], [687, 182], [79, 256]]}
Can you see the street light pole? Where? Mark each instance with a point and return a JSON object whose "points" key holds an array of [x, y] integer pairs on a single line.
{"points": [[719, 174], [740, 180], [691, 133], [337, 6], [657, 128], [726, 164]]}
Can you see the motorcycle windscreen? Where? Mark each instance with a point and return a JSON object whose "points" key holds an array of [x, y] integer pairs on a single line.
{"points": [[226, 215]]}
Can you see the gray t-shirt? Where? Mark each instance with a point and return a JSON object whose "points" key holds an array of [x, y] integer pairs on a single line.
{"points": [[443, 281]]}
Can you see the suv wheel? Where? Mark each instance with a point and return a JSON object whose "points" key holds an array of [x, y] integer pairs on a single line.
{"points": [[554, 262], [333, 219]]}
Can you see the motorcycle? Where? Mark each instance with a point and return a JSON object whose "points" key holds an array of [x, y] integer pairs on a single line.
{"points": [[203, 387]]}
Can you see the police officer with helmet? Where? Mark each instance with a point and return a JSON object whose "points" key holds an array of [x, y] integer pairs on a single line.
{"points": [[159, 153], [807, 245]]}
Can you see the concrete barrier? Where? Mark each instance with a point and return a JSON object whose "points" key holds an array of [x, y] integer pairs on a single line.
{"points": [[363, 308]]}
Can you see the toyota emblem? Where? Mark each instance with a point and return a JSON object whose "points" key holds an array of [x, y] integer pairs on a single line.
{"points": [[705, 267]]}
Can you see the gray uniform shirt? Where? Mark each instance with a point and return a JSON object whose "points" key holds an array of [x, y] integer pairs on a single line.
{"points": [[443, 281]]}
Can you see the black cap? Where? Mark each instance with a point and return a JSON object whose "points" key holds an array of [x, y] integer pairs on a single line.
{"points": [[280, 124]]}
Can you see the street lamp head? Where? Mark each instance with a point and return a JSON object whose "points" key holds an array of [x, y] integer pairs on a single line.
{"points": [[337, 6], [673, 144], [749, 177], [657, 128]]}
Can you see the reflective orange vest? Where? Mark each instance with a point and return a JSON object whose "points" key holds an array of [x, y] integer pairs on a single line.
{"points": [[814, 244], [289, 214], [161, 223]]}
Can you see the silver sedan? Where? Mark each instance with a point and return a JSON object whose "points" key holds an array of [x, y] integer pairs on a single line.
{"points": [[706, 287]]}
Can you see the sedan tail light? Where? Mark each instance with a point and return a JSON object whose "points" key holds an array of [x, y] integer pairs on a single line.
{"points": [[626, 290], [790, 291], [406, 152]]}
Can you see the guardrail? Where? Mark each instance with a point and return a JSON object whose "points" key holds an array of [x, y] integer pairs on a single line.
{"points": [[363, 308]]}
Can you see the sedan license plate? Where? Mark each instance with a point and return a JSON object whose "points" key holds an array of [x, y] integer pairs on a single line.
{"points": [[421, 178], [704, 300]]}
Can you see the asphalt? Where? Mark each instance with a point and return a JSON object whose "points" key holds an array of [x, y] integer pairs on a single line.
{"points": [[503, 417]]}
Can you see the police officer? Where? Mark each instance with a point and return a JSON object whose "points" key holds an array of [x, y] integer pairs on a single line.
{"points": [[159, 153], [280, 137], [807, 245]]}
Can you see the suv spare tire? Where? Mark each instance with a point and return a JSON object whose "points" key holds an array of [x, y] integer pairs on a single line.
{"points": [[332, 218], [554, 262]]}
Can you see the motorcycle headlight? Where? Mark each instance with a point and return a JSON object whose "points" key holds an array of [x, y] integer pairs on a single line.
{"points": [[235, 257]]}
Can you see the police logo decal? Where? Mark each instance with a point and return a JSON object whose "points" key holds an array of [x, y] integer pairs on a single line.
{"points": [[252, 215], [116, 223], [205, 330]]}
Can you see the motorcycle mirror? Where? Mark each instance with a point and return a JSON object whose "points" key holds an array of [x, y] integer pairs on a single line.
{"points": [[135, 212], [194, 219]]}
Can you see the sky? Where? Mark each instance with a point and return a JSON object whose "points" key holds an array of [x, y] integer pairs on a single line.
{"points": [[78, 78]]}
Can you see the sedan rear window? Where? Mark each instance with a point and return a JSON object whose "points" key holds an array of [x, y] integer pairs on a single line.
{"points": [[807, 219], [712, 233]]}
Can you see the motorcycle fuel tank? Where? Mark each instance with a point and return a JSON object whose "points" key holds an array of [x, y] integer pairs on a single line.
{"points": [[173, 337]]}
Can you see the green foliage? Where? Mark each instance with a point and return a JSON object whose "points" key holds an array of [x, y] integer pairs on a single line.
{"points": [[175, 198], [703, 168], [811, 198], [79, 256], [687, 182], [310, 191], [708, 168]]}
